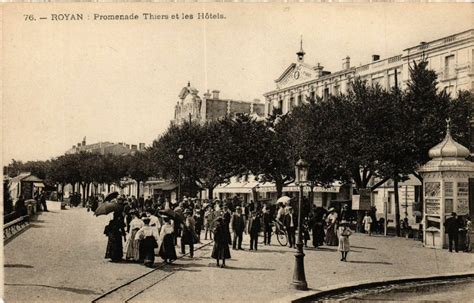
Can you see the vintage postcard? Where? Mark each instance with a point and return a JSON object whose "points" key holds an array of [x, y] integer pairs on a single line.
{"points": [[237, 152]]}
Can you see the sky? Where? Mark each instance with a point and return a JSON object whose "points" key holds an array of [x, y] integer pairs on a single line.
{"points": [[119, 81]]}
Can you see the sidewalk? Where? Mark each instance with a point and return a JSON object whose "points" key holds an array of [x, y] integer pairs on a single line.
{"points": [[265, 275], [61, 258]]}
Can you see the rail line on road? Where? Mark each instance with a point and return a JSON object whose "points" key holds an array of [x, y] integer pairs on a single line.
{"points": [[131, 289]]}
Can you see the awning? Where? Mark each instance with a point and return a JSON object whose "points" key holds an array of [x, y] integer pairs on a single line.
{"points": [[334, 188], [37, 184], [163, 185]]}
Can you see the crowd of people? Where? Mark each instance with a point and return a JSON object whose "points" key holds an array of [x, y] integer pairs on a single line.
{"points": [[144, 228], [155, 227]]}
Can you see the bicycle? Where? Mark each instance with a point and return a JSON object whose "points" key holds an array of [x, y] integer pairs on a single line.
{"points": [[279, 231]]}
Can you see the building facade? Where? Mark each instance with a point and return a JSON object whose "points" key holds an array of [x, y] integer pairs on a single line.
{"points": [[450, 57], [191, 107], [103, 148]]}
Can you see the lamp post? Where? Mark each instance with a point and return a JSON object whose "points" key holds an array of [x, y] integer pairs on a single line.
{"points": [[299, 277], [180, 158]]}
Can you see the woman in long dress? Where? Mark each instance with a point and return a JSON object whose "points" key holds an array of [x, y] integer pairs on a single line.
{"points": [[115, 230], [132, 251], [220, 250], [148, 237], [344, 233], [331, 237], [166, 249]]}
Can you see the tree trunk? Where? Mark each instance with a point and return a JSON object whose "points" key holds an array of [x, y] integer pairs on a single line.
{"points": [[88, 188], [138, 189], [84, 185], [279, 188], [397, 207], [210, 193]]}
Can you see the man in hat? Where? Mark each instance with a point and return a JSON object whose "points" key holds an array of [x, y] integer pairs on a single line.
{"points": [[452, 229], [188, 233], [238, 227], [291, 222]]}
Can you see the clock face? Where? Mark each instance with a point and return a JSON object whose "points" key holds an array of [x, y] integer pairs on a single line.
{"points": [[296, 74]]}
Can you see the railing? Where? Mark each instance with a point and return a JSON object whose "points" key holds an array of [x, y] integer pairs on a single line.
{"points": [[12, 228]]}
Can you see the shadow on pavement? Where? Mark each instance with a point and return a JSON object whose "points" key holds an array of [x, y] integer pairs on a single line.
{"points": [[81, 291], [370, 262], [248, 268], [362, 247]]}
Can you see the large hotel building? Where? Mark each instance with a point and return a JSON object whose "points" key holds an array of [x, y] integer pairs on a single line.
{"points": [[451, 57]]}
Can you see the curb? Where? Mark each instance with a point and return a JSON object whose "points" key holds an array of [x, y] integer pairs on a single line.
{"points": [[315, 295]]}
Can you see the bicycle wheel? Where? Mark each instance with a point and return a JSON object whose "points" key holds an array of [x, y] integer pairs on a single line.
{"points": [[282, 238]]}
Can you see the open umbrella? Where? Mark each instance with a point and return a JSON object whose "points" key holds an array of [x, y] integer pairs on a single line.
{"points": [[107, 208], [284, 199], [111, 196]]}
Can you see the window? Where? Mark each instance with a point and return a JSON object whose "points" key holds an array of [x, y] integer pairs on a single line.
{"points": [[300, 98], [448, 189], [313, 96], [280, 104], [292, 103], [336, 88], [326, 93], [449, 67]]}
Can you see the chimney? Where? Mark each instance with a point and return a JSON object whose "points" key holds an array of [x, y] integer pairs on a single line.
{"points": [[79, 144], [134, 147], [215, 94], [73, 146], [141, 146], [84, 141], [207, 95], [346, 63], [375, 57], [127, 146], [319, 70]]}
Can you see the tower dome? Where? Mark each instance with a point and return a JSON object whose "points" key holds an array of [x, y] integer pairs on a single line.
{"points": [[448, 148]]}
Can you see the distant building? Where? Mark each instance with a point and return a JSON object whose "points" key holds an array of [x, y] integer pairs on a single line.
{"points": [[450, 57], [106, 148], [191, 107]]}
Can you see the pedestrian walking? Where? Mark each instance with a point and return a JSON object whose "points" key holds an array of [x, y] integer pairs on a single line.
{"points": [[132, 244], [220, 251], [290, 222], [189, 234], [148, 237], [468, 228], [253, 229], [367, 222], [209, 217], [344, 233], [198, 217], [331, 236], [43, 201], [115, 230], [238, 227], [166, 249], [452, 229], [267, 226]]}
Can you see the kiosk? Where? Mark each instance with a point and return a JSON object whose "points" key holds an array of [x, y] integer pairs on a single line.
{"points": [[446, 188]]}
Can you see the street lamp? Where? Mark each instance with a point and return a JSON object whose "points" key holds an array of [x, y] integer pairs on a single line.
{"points": [[299, 278], [180, 158]]}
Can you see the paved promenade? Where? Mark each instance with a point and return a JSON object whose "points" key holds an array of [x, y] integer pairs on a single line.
{"points": [[61, 256]]}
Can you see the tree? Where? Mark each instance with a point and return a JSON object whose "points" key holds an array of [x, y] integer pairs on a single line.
{"points": [[138, 167]]}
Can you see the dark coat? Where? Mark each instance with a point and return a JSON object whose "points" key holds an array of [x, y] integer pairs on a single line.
{"points": [[287, 221], [452, 225], [238, 223], [254, 226]]}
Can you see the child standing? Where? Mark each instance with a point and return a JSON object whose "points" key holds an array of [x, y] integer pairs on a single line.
{"points": [[367, 222], [344, 233]]}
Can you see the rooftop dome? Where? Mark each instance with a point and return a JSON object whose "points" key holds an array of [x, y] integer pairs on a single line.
{"points": [[448, 148]]}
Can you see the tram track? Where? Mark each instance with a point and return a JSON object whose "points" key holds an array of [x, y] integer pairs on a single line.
{"points": [[133, 288]]}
